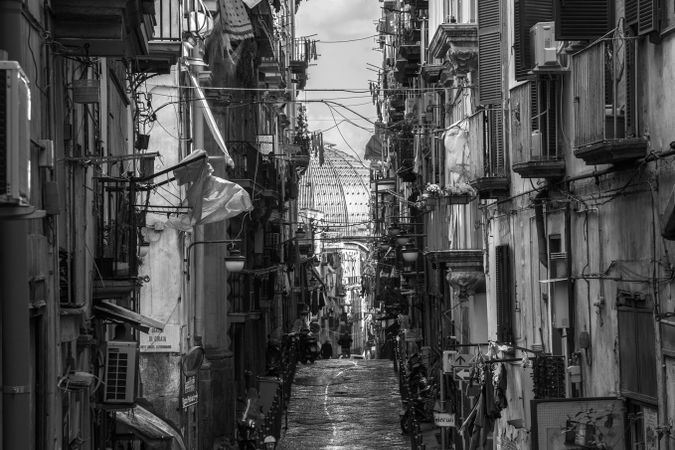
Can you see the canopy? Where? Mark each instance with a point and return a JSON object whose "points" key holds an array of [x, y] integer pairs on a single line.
{"points": [[374, 148], [153, 430], [119, 313]]}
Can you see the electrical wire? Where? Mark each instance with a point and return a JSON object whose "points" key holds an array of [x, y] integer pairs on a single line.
{"points": [[347, 40]]}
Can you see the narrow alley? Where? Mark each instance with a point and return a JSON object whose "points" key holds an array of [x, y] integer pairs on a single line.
{"points": [[344, 404]]}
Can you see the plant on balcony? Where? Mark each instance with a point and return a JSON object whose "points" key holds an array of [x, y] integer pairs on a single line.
{"points": [[432, 190], [459, 193]]}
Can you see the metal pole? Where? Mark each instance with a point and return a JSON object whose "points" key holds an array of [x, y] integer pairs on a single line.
{"points": [[441, 377]]}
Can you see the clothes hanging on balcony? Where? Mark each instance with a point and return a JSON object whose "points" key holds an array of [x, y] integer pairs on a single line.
{"points": [[457, 155], [235, 20]]}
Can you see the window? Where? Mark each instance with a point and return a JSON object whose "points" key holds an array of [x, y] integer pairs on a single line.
{"points": [[637, 342], [526, 14], [577, 20]]}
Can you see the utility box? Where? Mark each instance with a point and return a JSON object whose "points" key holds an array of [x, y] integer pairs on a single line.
{"points": [[543, 46]]}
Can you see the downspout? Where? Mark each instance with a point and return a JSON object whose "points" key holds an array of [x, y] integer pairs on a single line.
{"points": [[16, 367], [15, 412], [540, 223]]}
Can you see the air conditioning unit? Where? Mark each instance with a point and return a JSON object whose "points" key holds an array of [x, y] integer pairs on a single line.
{"points": [[14, 135], [543, 46], [120, 372]]}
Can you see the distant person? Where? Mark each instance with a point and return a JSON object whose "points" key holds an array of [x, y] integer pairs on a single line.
{"points": [[326, 350], [345, 342]]}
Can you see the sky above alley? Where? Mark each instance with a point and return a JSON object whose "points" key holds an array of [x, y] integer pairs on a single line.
{"points": [[341, 65]]}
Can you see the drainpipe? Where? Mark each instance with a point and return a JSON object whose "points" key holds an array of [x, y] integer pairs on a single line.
{"points": [[16, 367], [541, 225], [15, 370]]}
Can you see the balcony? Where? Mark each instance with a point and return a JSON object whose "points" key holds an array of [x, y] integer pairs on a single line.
{"points": [[604, 104], [490, 175], [458, 44], [165, 46], [115, 257], [536, 153], [464, 260], [114, 28], [251, 171]]}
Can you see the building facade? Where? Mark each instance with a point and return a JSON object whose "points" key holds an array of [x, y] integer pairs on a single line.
{"points": [[121, 322], [530, 140]]}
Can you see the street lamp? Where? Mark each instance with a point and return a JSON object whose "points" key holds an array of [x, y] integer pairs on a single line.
{"points": [[234, 262], [394, 229], [402, 239], [410, 254], [270, 443], [300, 234]]}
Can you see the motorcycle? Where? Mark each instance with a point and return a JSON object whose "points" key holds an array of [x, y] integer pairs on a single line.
{"points": [[247, 433], [418, 407], [308, 348]]}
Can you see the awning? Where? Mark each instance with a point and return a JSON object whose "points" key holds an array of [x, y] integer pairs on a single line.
{"points": [[116, 312], [374, 148], [153, 430], [211, 121]]}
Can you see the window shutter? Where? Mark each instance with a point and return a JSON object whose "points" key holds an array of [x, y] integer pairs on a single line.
{"points": [[503, 297], [496, 137], [583, 19], [647, 16], [630, 84], [637, 352], [489, 52], [630, 12], [526, 14]]}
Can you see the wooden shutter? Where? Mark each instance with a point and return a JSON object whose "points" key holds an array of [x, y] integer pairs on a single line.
{"points": [[526, 14], [630, 12], [496, 136], [629, 69], [503, 294], [647, 16], [577, 20], [637, 352], [489, 53]]}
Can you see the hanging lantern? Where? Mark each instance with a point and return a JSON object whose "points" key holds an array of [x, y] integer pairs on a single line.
{"points": [[300, 234], [410, 254], [394, 229], [235, 261]]}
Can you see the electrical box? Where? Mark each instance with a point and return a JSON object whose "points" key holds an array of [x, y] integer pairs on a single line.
{"points": [[543, 46], [14, 135], [120, 372]]}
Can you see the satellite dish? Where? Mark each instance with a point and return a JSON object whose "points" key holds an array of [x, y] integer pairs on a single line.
{"points": [[193, 360]]}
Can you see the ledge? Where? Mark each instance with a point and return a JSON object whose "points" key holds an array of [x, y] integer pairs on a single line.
{"points": [[458, 34], [540, 168], [612, 151]]}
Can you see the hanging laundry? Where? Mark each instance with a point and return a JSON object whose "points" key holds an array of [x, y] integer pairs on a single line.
{"points": [[235, 20]]}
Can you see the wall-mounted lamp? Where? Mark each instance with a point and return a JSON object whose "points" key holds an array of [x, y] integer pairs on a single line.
{"points": [[410, 254], [300, 234], [402, 239], [234, 262], [394, 229]]}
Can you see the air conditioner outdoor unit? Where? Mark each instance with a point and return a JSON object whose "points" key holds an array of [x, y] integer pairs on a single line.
{"points": [[543, 46], [14, 135], [120, 372]]}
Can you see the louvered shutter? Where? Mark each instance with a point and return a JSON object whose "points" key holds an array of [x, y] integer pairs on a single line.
{"points": [[489, 53], [630, 85], [496, 136], [647, 16], [503, 294], [583, 19], [630, 12], [526, 14]]}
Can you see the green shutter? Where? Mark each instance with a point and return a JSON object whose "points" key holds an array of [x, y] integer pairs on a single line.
{"points": [[489, 52], [630, 12], [503, 294], [526, 14], [577, 20]]}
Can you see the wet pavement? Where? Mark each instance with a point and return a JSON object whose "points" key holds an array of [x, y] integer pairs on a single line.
{"points": [[344, 404]]}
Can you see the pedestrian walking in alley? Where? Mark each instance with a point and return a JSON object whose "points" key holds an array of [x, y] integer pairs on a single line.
{"points": [[345, 343], [326, 350]]}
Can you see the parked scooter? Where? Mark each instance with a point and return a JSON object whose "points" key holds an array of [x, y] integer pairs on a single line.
{"points": [[308, 348], [418, 407], [247, 433]]}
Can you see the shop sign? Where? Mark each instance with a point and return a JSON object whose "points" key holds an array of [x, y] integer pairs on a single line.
{"points": [[442, 419], [265, 143], [190, 394], [161, 341]]}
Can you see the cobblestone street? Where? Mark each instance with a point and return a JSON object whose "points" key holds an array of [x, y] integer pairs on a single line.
{"points": [[344, 404]]}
